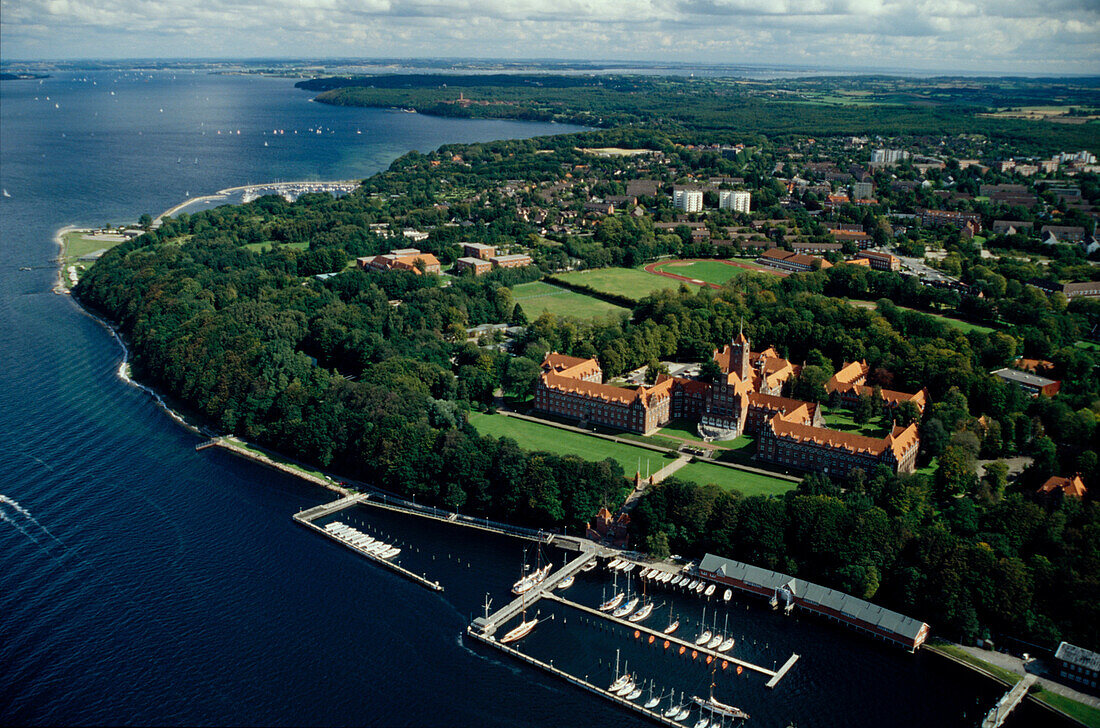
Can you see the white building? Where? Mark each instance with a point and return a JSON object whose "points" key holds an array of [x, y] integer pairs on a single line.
{"points": [[736, 200], [888, 156], [687, 199]]}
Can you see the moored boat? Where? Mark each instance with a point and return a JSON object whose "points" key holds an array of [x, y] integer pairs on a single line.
{"points": [[722, 709], [728, 595], [710, 590], [642, 613], [614, 564], [626, 608], [565, 583], [699, 589], [672, 627], [519, 632], [703, 638], [714, 641], [612, 602], [726, 645]]}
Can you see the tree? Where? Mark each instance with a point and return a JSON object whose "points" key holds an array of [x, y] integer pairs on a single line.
{"points": [[863, 410], [955, 473], [145, 222], [657, 545], [520, 376]]}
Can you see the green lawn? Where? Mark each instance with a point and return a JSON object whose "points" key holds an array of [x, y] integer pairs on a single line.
{"points": [[538, 298], [732, 479], [264, 247], [1002, 674], [630, 282], [682, 429], [75, 245], [965, 326], [709, 271], [1087, 345], [536, 436], [841, 419], [1087, 714]]}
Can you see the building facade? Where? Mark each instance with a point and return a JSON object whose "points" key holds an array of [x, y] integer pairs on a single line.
{"points": [[1078, 666], [736, 200], [477, 266], [687, 200], [402, 259]]}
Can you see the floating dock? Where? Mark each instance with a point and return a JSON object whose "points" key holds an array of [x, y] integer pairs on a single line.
{"points": [[307, 518]]}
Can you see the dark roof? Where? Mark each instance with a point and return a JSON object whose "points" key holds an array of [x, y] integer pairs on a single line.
{"points": [[1075, 655]]}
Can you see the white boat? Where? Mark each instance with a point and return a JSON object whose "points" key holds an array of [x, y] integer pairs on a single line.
{"points": [[642, 613], [709, 591], [675, 581], [644, 574], [673, 710], [618, 684], [614, 564], [377, 547], [727, 596], [652, 703], [672, 627], [530, 581], [634, 694], [612, 602], [667, 577], [626, 608], [714, 641], [390, 552], [727, 645], [626, 689], [630, 567], [589, 566], [565, 583], [703, 722], [683, 714], [519, 632], [692, 584], [699, 589], [726, 711], [703, 638]]}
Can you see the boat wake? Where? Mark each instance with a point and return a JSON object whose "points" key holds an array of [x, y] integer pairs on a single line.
{"points": [[7, 503]]}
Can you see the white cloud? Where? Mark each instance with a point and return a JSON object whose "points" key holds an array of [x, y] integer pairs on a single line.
{"points": [[1048, 36]]}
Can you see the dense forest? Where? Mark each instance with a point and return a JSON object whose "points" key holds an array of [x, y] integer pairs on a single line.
{"points": [[372, 375], [705, 107]]}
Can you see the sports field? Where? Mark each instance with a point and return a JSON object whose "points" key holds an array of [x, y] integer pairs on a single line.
{"points": [[707, 271], [633, 283], [538, 298]]}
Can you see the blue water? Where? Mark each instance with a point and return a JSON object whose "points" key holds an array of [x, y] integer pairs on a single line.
{"points": [[142, 582]]}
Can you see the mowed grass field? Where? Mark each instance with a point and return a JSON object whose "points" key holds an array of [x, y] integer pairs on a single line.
{"points": [[538, 298], [633, 283], [538, 437], [708, 271], [731, 479]]}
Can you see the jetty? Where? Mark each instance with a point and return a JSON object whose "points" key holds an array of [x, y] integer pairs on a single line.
{"points": [[488, 624], [307, 518], [999, 712]]}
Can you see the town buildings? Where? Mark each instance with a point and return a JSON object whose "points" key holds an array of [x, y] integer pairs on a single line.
{"points": [[736, 200], [1078, 666], [477, 266], [687, 199], [744, 397], [1033, 384], [479, 250], [850, 383], [409, 259], [519, 260], [795, 262], [1071, 487], [881, 261]]}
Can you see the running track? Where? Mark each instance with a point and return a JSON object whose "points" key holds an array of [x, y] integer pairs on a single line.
{"points": [[652, 268]]}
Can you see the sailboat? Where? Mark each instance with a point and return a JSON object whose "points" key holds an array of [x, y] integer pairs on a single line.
{"points": [[673, 710], [718, 708], [653, 702], [612, 602], [521, 631], [705, 635], [709, 591], [727, 596], [626, 608], [703, 722], [635, 693], [642, 613], [727, 643], [672, 626], [620, 680]]}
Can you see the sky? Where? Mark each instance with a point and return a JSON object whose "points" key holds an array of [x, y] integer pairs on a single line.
{"points": [[988, 36]]}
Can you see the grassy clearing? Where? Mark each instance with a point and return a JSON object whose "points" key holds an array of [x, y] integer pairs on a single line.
{"points": [[78, 243], [1087, 714], [683, 429], [538, 298], [264, 247], [1006, 676], [965, 326], [630, 282], [839, 419], [538, 437], [708, 271], [1087, 345], [731, 479]]}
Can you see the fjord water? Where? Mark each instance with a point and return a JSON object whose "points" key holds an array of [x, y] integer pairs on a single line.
{"points": [[142, 582]]}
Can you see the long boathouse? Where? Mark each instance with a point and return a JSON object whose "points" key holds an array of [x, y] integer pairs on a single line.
{"points": [[830, 603]]}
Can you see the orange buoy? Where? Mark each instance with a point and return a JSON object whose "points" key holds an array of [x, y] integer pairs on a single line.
{"points": [[738, 669], [682, 648], [637, 634], [651, 638], [725, 664], [667, 643], [709, 658], [694, 654]]}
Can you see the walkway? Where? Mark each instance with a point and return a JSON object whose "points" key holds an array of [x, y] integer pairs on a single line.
{"points": [[999, 712]]}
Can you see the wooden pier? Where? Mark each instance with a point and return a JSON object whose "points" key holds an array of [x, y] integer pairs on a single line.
{"points": [[773, 675], [489, 624], [999, 712], [307, 517], [572, 679]]}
